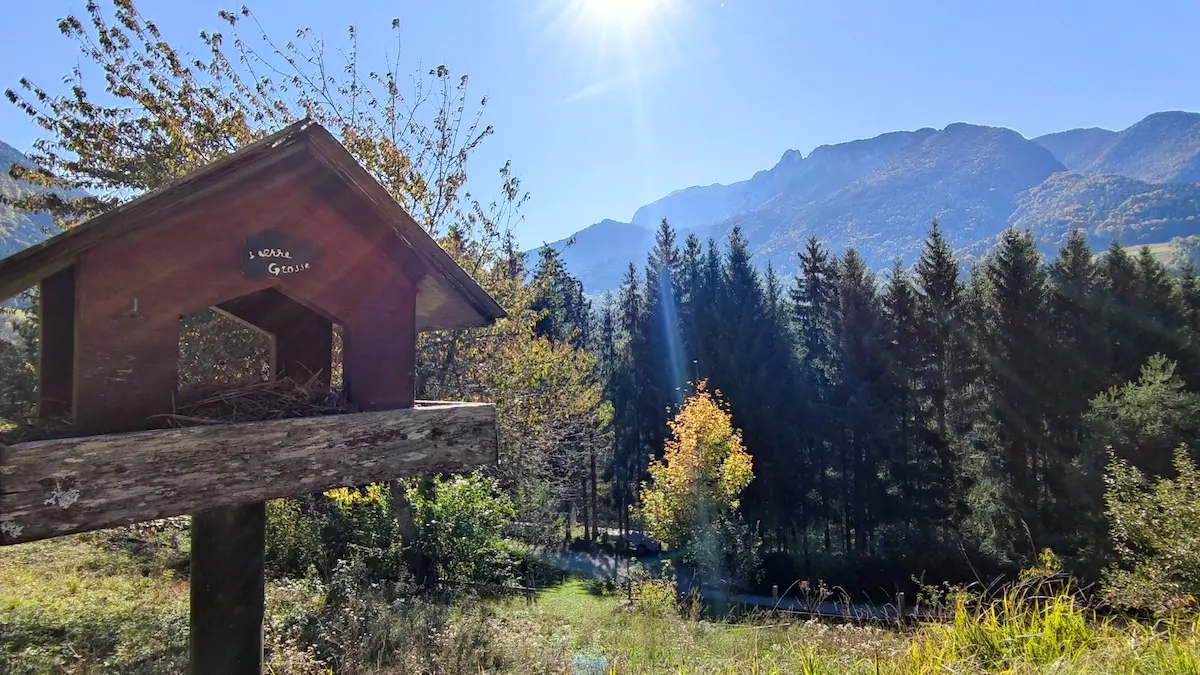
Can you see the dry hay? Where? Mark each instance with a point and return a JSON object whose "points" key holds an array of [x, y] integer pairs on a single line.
{"points": [[255, 402], [273, 400]]}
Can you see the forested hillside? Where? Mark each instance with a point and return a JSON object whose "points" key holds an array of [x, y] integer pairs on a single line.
{"points": [[1162, 148], [1107, 208], [1133, 186], [18, 228]]}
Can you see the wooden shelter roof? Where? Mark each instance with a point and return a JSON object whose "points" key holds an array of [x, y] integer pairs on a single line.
{"points": [[447, 297]]}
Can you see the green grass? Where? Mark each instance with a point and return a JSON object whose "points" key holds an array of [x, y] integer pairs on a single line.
{"points": [[1162, 251], [111, 603], [76, 605], [1019, 633]]}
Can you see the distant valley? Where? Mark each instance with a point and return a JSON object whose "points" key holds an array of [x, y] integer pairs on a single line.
{"points": [[1140, 185]]}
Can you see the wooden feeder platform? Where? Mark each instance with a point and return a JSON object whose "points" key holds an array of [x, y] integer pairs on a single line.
{"points": [[289, 236]]}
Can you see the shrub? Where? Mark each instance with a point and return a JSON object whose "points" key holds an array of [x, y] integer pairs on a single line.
{"points": [[460, 526], [1156, 536], [360, 523], [293, 538], [316, 532], [366, 625], [655, 597]]}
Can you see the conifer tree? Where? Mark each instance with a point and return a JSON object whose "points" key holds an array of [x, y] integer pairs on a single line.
{"points": [[862, 391], [1017, 370], [778, 388], [1080, 350], [1118, 277], [922, 485], [937, 279], [559, 300], [813, 310], [630, 448], [1160, 316]]}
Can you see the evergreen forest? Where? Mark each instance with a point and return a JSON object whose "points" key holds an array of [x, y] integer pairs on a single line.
{"points": [[935, 421]]}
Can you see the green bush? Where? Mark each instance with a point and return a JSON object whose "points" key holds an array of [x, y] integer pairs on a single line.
{"points": [[293, 538], [1156, 536], [460, 526], [654, 597], [361, 522], [367, 625], [316, 532]]}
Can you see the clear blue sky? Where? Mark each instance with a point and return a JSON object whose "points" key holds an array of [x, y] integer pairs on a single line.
{"points": [[601, 114]]}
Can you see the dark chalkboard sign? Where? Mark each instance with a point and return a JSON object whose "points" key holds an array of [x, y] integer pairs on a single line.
{"points": [[272, 253]]}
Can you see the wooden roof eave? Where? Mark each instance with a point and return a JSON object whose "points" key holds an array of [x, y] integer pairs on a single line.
{"points": [[26, 268], [29, 266], [456, 279]]}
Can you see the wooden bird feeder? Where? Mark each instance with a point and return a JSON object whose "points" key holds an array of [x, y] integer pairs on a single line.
{"points": [[292, 236]]}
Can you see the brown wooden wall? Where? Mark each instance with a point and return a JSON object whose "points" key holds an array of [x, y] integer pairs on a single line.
{"points": [[130, 293]]}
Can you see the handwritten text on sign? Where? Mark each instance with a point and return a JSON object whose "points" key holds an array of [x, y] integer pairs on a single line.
{"points": [[274, 254]]}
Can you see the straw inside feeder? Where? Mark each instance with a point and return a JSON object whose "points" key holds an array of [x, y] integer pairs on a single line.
{"points": [[255, 402]]}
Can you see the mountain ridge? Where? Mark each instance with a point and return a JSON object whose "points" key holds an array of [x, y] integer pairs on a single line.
{"points": [[1137, 185], [879, 194]]}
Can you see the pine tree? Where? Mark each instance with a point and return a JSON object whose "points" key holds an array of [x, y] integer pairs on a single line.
{"points": [[1076, 323], [922, 485], [782, 467], [1119, 281], [740, 369], [630, 448], [565, 313], [1078, 368], [861, 397], [1017, 370], [692, 309], [664, 329], [1187, 291], [813, 309], [1160, 315], [937, 279]]}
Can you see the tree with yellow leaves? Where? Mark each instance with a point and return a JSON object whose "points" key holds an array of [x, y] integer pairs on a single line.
{"points": [[705, 467]]}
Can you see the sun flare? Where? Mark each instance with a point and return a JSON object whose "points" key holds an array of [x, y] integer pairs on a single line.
{"points": [[625, 14]]}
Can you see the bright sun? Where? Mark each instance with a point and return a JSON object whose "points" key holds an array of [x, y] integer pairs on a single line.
{"points": [[626, 14]]}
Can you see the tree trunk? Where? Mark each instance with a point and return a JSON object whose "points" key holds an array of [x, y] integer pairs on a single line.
{"points": [[583, 494], [595, 510]]}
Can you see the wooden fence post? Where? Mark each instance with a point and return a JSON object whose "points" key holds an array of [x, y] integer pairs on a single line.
{"points": [[227, 590]]}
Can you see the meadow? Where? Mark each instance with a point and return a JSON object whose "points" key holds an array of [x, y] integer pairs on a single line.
{"points": [[116, 602]]}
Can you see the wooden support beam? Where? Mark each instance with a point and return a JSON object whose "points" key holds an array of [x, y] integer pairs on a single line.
{"points": [[227, 590], [56, 349], [52, 488], [228, 586], [127, 363]]}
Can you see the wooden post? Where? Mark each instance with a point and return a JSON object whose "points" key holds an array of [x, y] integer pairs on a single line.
{"points": [[379, 350], [900, 605], [228, 580], [227, 590]]}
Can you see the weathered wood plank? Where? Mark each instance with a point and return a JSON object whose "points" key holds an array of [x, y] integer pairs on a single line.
{"points": [[52, 488]]}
